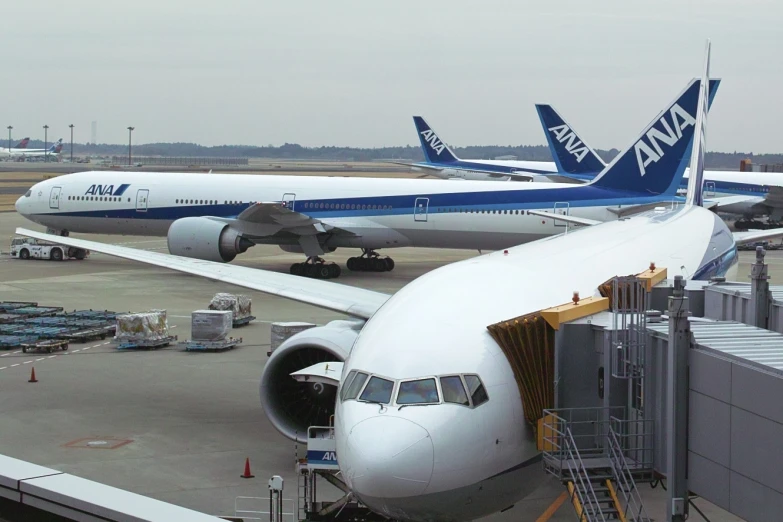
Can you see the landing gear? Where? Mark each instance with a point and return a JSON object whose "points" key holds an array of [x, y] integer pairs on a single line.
{"points": [[316, 268], [370, 261], [744, 224]]}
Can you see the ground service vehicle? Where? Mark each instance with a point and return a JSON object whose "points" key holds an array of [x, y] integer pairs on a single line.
{"points": [[30, 248]]}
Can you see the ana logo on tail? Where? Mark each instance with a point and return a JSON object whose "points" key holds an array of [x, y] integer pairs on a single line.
{"points": [[647, 153], [572, 144], [432, 138]]}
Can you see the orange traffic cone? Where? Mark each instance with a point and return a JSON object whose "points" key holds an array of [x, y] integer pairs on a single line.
{"points": [[247, 474], [32, 375]]}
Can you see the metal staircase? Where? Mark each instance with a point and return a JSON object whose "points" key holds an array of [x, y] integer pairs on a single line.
{"points": [[599, 457]]}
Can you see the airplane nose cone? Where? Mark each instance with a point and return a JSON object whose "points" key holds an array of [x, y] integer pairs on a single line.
{"points": [[19, 205], [389, 457]]}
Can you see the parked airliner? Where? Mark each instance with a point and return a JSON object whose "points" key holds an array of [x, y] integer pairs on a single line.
{"points": [[215, 217], [22, 145], [428, 417], [54, 150]]}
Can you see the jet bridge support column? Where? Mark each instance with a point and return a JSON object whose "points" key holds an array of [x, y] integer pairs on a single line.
{"points": [[759, 290], [677, 403]]}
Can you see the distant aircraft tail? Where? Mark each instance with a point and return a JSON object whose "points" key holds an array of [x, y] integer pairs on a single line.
{"points": [[435, 149], [570, 152], [57, 146], [22, 144], [695, 194], [655, 162]]}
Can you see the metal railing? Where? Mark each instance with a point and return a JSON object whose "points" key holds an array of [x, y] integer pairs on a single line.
{"points": [[583, 487], [260, 513], [623, 477]]}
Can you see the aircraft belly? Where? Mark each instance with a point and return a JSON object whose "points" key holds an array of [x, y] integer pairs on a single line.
{"points": [[99, 225]]}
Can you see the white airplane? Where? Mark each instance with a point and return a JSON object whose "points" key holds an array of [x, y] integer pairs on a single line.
{"points": [[216, 217], [428, 417], [54, 150]]}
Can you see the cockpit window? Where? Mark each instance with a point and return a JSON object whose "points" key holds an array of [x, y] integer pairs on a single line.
{"points": [[476, 390], [422, 391], [453, 391], [355, 386], [346, 383], [28, 193], [377, 390]]}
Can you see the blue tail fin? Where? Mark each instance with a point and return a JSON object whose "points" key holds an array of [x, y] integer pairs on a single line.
{"points": [[570, 152], [435, 150], [655, 162]]}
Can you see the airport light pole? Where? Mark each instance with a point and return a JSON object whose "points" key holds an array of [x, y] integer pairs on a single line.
{"points": [[10, 128], [130, 131], [71, 126], [46, 137]]}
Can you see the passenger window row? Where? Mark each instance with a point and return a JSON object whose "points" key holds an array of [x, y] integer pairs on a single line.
{"points": [[345, 206], [205, 202], [465, 390], [479, 211], [116, 199]]}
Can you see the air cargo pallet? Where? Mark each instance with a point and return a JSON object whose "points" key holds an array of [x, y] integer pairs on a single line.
{"points": [[242, 321], [92, 334], [46, 346], [8, 342], [211, 346], [146, 344]]}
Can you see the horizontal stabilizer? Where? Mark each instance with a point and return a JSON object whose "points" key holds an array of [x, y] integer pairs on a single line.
{"points": [[325, 373], [750, 236]]}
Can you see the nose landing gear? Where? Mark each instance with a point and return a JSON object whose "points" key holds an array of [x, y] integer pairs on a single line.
{"points": [[370, 261], [316, 268]]}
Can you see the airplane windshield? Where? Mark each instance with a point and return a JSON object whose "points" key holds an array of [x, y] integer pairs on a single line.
{"points": [[355, 386], [453, 391], [378, 390], [477, 392], [422, 391]]}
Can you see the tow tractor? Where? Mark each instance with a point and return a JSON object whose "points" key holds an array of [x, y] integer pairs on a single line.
{"points": [[30, 248]]}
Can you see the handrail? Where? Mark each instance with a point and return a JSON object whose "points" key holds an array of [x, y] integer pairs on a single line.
{"points": [[624, 478], [581, 480]]}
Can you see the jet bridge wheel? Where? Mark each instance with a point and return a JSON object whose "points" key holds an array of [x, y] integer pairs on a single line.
{"points": [[370, 261], [316, 268]]}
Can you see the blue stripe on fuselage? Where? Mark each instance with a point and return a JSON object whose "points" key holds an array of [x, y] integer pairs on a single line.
{"points": [[469, 165], [577, 196]]}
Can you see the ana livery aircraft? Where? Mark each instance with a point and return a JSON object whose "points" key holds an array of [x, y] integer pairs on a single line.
{"points": [[428, 417], [54, 150], [215, 217], [746, 194]]}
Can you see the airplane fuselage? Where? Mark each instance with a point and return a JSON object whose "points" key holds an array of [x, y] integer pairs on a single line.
{"points": [[377, 213]]}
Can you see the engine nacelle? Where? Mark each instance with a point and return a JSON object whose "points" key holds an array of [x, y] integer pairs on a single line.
{"points": [[296, 249], [293, 406], [207, 239]]}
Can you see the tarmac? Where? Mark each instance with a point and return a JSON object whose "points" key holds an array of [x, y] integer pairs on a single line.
{"points": [[177, 426]]}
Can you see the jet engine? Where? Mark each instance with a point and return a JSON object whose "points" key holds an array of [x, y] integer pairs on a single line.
{"points": [[207, 239], [293, 406]]}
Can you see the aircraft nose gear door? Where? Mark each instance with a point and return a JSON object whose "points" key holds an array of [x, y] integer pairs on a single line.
{"points": [[562, 209], [54, 197], [141, 200], [289, 200], [420, 209]]}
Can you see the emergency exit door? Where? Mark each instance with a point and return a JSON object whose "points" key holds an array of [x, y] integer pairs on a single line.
{"points": [[289, 200], [141, 200], [54, 197], [420, 209]]}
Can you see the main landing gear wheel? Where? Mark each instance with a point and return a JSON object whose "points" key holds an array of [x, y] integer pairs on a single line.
{"points": [[316, 268], [370, 261]]}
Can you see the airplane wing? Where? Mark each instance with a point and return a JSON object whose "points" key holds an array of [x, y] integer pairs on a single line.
{"points": [[277, 213], [756, 235], [516, 176], [356, 302], [568, 219]]}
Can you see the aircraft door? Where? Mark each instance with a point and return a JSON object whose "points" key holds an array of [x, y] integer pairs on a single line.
{"points": [[142, 196], [563, 209], [420, 208], [289, 200], [709, 189], [54, 197]]}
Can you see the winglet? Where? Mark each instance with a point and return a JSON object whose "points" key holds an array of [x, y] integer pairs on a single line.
{"points": [[570, 152], [435, 149], [695, 194]]}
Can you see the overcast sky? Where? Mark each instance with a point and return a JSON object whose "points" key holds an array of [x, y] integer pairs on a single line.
{"points": [[354, 72]]}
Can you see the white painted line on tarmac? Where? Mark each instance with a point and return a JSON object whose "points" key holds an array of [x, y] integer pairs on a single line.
{"points": [[5, 354], [51, 357], [74, 351], [4, 367], [87, 348], [17, 351], [17, 364], [27, 362], [41, 359], [104, 344]]}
